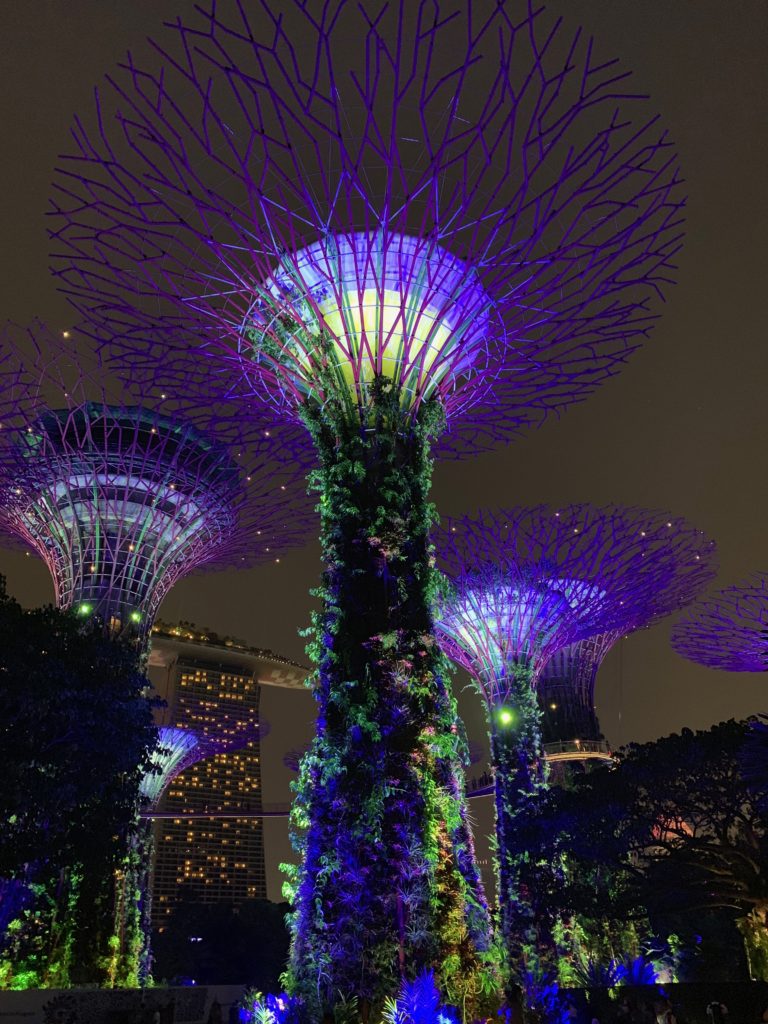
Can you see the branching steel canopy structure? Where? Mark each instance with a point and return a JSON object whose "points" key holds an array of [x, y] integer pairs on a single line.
{"points": [[527, 582], [566, 686], [178, 749], [524, 583], [729, 629], [121, 501], [452, 200]]}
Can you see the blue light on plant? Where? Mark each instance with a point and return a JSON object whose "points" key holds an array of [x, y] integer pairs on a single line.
{"points": [[419, 1002]]}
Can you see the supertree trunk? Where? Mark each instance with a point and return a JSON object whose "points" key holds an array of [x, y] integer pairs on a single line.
{"points": [[131, 960], [754, 930], [520, 776], [388, 884]]}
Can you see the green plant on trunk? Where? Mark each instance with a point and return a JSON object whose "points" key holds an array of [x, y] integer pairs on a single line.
{"points": [[388, 884]]}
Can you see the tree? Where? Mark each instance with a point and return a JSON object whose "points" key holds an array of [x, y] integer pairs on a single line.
{"points": [[754, 760], [76, 733], [672, 832]]}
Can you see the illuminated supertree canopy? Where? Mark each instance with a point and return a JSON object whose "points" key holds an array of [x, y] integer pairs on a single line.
{"points": [[121, 500], [454, 203], [566, 685], [435, 217], [178, 749], [524, 583], [728, 629]]}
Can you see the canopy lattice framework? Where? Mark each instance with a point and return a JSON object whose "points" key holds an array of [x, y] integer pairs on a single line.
{"points": [[728, 629]]}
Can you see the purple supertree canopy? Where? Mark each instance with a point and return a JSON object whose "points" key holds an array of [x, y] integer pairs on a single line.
{"points": [[729, 629], [123, 500], [177, 750], [567, 681], [292, 758], [463, 199], [525, 582], [522, 583]]}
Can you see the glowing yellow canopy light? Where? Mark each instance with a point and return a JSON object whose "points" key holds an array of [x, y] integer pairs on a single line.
{"points": [[399, 338], [389, 305]]}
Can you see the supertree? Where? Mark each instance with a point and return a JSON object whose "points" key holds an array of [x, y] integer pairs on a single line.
{"points": [[177, 749], [729, 629], [522, 584], [123, 500], [391, 224], [292, 758], [725, 631]]}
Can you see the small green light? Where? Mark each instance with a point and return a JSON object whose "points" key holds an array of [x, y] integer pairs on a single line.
{"points": [[135, 616], [85, 609], [506, 717]]}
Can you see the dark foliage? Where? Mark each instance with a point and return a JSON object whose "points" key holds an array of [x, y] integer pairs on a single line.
{"points": [[754, 761], [76, 733], [672, 831], [75, 736]]}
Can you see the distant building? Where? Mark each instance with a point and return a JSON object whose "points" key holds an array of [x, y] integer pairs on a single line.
{"points": [[213, 685]]}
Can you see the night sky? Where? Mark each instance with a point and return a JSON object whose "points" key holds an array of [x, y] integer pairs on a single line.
{"points": [[683, 427]]}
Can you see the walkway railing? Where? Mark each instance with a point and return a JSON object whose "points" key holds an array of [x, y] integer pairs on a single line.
{"points": [[578, 750]]}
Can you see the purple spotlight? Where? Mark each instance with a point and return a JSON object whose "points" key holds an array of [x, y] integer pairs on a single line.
{"points": [[729, 629]]}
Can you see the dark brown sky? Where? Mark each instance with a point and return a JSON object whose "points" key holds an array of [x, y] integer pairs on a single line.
{"points": [[683, 427]]}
